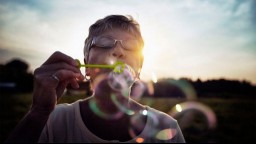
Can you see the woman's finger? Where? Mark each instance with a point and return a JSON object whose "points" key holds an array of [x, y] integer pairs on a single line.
{"points": [[60, 89], [58, 66], [60, 57], [65, 75]]}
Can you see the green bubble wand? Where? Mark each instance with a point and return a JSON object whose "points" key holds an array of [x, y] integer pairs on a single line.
{"points": [[117, 67]]}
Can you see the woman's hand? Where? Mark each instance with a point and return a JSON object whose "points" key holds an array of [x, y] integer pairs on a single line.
{"points": [[51, 79]]}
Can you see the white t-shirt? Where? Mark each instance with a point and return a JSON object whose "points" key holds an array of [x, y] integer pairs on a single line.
{"points": [[65, 125]]}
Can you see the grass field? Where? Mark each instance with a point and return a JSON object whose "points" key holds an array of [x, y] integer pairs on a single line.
{"points": [[236, 118]]}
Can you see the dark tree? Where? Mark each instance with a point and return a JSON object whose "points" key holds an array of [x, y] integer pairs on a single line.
{"points": [[14, 77]]}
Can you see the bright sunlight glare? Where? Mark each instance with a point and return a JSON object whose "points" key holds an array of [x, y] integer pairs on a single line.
{"points": [[154, 78], [178, 107]]}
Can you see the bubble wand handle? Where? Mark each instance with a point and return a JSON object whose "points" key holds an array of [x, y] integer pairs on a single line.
{"points": [[117, 67], [96, 66]]}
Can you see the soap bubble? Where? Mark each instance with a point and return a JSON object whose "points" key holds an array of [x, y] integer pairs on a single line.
{"points": [[122, 80]]}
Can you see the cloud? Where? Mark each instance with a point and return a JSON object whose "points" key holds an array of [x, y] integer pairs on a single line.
{"points": [[183, 35]]}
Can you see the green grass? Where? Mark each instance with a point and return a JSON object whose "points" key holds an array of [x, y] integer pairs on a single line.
{"points": [[235, 117]]}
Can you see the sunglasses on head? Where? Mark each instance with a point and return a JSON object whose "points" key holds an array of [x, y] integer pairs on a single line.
{"points": [[107, 42]]}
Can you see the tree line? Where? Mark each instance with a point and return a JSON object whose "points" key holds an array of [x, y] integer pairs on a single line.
{"points": [[15, 78], [221, 88]]}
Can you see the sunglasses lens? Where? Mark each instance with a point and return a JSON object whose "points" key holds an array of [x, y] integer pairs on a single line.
{"points": [[108, 42], [104, 42], [131, 45]]}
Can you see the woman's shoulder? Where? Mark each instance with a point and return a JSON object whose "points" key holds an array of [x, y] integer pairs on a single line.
{"points": [[160, 117]]}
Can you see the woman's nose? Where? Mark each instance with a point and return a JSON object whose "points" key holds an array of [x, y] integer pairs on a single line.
{"points": [[118, 50]]}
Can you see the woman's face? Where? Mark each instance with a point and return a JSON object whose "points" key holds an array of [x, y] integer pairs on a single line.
{"points": [[99, 55]]}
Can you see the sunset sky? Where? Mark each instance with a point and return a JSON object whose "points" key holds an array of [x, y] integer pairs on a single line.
{"points": [[206, 39]]}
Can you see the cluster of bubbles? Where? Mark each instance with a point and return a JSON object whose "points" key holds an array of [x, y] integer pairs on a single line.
{"points": [[120, 80], [126, 80]]}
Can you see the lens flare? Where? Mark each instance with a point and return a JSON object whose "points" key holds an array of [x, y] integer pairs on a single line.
{"points": [[178, 107], [166, 134], [144, 112], [139, 140]]}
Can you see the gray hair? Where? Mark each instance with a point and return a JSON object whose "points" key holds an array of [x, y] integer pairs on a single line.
{"points": [[126, 23]]}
